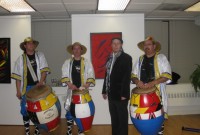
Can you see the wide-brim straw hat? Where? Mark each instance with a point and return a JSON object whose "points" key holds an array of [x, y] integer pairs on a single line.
{"points": [[70, 48], [26, 40], [141, 44]]}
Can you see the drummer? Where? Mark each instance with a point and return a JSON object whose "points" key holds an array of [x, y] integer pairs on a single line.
{"points": [[152, 69], [30, 69], [77, 73]]}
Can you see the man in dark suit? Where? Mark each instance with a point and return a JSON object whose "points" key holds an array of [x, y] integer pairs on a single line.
{"points": [[116, 86]]}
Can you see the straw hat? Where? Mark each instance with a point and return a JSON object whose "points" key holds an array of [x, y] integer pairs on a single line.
{"points": [[26, 40], [141, 44], [83, 48]]}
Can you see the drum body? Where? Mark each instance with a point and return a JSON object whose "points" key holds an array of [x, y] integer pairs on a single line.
{"points": [[82, 109], [146, 110], [43, 107]]}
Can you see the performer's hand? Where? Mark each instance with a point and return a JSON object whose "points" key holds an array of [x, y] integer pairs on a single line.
{"points": [[149, 85], [82, 88], [104, 96], [87, 85], [19, 95], [123, 98], [72, 86], [40, 83], [140, 84]]}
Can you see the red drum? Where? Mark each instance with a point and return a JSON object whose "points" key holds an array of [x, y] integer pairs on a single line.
{"points": [[43, 107], [82, 109], [146, 110]]}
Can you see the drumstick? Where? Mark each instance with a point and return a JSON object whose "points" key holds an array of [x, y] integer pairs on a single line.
{"points": [[191, 129]]}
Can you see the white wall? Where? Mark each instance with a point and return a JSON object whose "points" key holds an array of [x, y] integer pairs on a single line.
{"points": [[16, 28], [132, 28]]}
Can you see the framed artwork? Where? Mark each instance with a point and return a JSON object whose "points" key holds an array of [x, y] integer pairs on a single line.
{"points": [[100, 50], [5, 67]]}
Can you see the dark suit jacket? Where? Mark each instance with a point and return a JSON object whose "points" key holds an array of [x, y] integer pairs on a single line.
{"points": [[120, 78]]}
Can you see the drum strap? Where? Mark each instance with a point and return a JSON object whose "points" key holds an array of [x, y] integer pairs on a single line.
{"points": [[31, 70]]}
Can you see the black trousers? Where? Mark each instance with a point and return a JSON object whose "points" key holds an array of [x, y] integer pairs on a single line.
{"points": [[119, 117]]}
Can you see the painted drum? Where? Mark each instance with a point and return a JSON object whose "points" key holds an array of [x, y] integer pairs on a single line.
{"points": [[82, 109], [146, 110], [43, 107]]}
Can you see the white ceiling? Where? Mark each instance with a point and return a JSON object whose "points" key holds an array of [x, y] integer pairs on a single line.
{"points": [[63, 9]]}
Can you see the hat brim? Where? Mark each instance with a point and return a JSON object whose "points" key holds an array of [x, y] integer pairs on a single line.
{"points": [[70, 49], [23, 43], [141, 46]]}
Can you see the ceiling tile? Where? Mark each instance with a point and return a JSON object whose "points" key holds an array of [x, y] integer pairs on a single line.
{"points": [[43, 1], [147, 1], [172, 7], [144, 7], [181, 1], [49, 7], [85, 6], [80, 1], [64, 8]]}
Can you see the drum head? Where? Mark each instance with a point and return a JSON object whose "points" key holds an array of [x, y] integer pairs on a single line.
{"points": [[38, 92], [137, 90], [78, 92]]}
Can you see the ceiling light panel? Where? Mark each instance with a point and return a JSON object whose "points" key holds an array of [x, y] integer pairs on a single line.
{"points": [[194, 8], [16, 6], [112, 4]]}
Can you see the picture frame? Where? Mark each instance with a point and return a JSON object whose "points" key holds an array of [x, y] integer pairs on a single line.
{"points": [[100, 51], [5, 66]]}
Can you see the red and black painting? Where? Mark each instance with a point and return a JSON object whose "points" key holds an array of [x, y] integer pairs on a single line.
{"points": [[5, 60], [100, 50]]}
